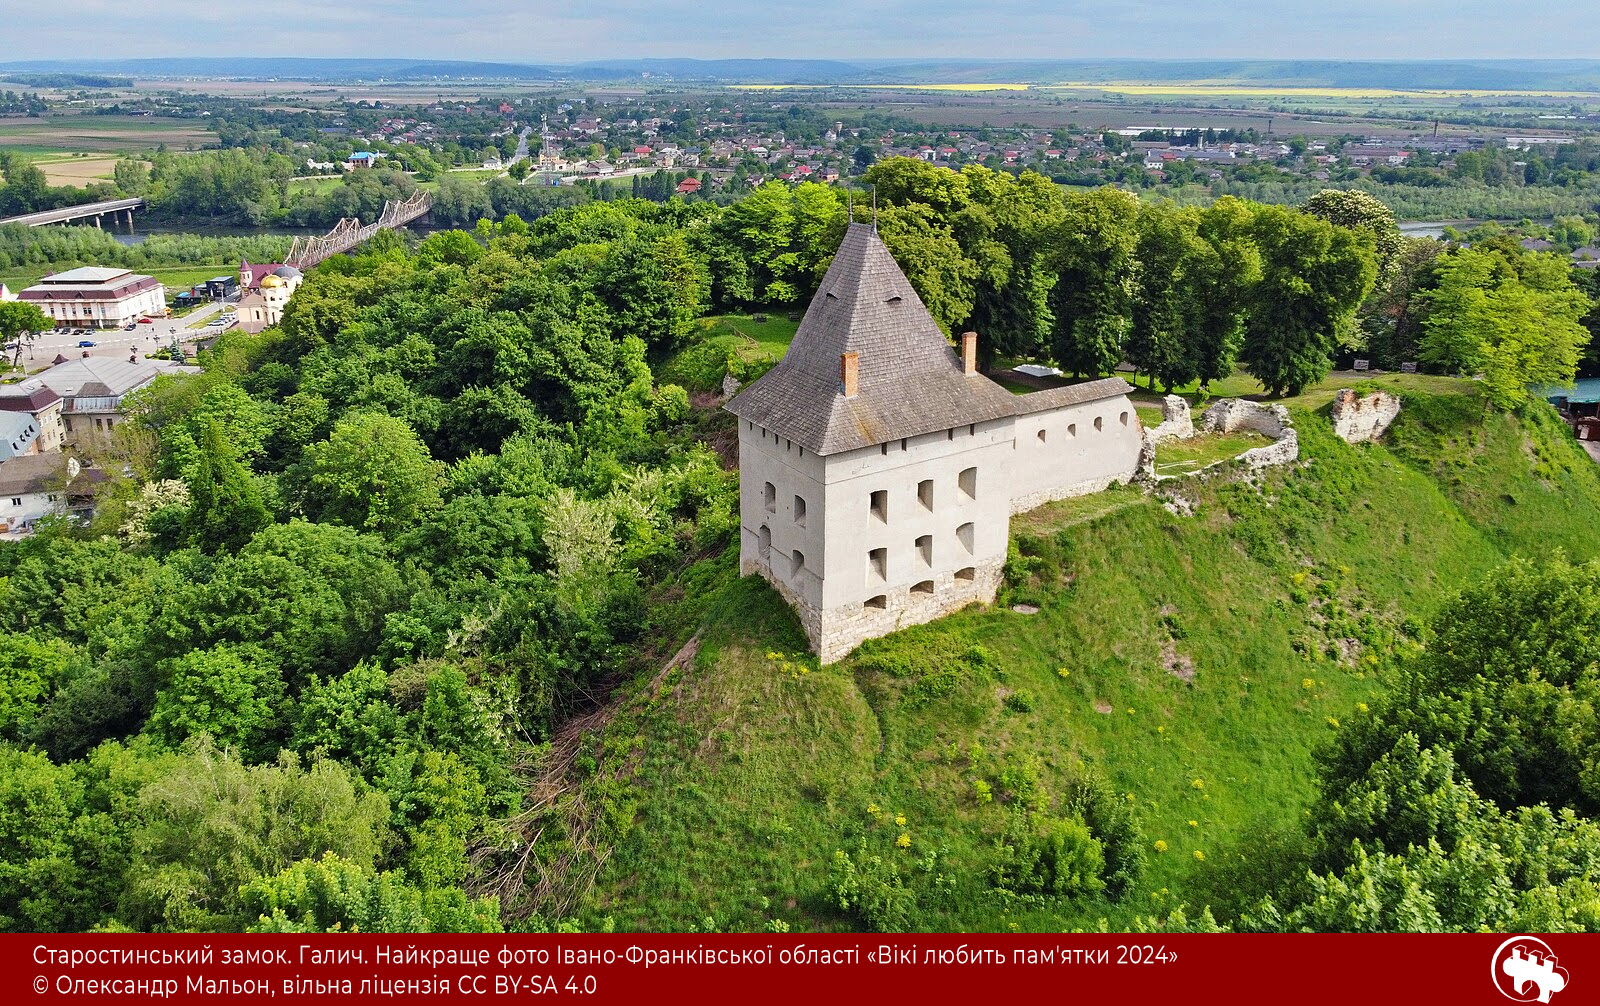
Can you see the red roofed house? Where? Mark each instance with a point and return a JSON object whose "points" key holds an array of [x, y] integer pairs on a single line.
{"points": [[688, 186]]}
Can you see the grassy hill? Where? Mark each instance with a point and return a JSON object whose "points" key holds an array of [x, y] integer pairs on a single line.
{"points": [[1172, 688]]}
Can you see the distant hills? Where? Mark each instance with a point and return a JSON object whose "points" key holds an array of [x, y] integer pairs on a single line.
{"points": [[1501, 74]]}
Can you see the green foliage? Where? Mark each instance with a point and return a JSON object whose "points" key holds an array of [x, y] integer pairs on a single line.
{"points": [[1094, 247], [1514, 319], [1314, 276], [225, 506], [232, 695], [870, 887], [1047, 856], [373, 472], [1508, 685], [331, 894], [214, 825]]}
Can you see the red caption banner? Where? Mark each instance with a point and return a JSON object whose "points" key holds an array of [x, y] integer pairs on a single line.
{"points": [[798, 968]]}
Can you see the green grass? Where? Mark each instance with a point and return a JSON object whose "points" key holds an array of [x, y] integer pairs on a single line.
{"points": [[1176, 457], [1205, 660], [315, 185], [736, 343]]}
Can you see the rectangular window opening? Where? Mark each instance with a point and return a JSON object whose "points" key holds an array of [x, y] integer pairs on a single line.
{"points": [[800, 510], [925, 549], [879, 505], [925, 493]]}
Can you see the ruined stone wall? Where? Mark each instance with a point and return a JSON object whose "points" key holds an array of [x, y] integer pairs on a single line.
{"points": [[1176, 421], [1357, 418], [1233, 414]]}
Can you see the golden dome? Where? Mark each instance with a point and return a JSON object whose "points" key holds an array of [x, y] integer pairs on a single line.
{"points": [[271, 280]]}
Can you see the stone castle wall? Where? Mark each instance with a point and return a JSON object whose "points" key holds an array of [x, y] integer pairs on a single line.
{"points": [[1357, 418]]}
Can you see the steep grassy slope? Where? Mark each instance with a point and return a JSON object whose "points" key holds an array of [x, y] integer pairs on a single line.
{"points": [[1185, 666]]}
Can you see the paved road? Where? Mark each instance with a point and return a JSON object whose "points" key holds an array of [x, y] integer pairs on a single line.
{"points": [[522, 146], [115, 341]]}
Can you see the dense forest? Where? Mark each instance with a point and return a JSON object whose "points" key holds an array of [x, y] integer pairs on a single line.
{"points": [[346, 587]]}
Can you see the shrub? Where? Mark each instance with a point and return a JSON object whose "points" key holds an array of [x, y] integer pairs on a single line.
{"points": [[1047, 856], [870, 888]]}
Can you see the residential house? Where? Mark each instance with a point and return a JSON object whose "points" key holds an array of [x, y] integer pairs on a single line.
{"points": [[42, 406]]}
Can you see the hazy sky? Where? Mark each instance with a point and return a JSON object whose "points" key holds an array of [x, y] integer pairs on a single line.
{"points": [[544, 31]]}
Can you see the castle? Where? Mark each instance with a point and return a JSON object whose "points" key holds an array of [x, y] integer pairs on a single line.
{"points": [[879, 470]]}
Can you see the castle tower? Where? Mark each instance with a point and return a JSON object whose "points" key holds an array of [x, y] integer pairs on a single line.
{"points": [[879, 469]]}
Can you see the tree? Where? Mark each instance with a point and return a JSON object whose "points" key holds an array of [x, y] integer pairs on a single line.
{"points": [[1092, 299], [1167, 308], [1362, 211], [1513, 319], [213, 825], [1314, 276], [231, 694], [373, 472], [1510, 683], [225, 507], [1225, 280], [19, 323]]}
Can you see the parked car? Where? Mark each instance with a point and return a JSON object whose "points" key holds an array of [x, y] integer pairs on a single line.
{"points": [[130, 326], [146, 321], [85, 343]]}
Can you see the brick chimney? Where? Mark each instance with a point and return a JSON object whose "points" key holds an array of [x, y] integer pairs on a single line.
{"points": [[847, 373], [969, 352]]}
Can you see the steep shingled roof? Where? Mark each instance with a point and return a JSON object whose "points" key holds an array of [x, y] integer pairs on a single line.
{"points": [[910, 380]]}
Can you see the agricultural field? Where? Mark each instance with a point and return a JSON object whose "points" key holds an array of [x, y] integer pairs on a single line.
{"points": [[99, 134]]}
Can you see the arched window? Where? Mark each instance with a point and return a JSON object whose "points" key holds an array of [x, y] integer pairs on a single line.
{"points": [[967, 575], [925, 587], [764, 543], [769, 497], [966, 534], [1099, 423]]}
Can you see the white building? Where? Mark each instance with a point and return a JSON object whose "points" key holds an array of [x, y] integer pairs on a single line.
{"points": [[37, 485], [100, 298], [879, 471], [262, 306]]}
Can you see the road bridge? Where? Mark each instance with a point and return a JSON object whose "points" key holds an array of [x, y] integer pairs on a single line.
{"points": [[82, 211]]}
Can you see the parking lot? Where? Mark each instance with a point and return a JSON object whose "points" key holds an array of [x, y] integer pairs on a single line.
{"points": [[143, 338]]}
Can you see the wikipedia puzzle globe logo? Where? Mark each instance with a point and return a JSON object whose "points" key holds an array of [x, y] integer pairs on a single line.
{"points": [[1524, 969]]}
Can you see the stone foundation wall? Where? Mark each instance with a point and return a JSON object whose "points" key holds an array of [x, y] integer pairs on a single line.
{"points": [[1282, 451], [1357, 418], [833, 633]]}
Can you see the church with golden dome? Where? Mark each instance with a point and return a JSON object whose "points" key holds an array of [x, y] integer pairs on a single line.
{"points": [[267, 288]]}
